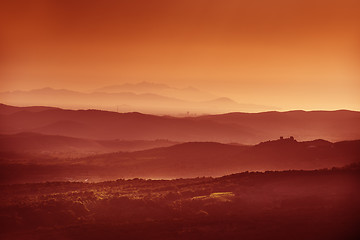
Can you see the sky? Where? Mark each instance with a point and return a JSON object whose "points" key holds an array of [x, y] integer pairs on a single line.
{"points": [[292, 54]]}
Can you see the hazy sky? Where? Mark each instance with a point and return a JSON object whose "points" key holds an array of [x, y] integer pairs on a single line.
{"points": [[301, 54]]}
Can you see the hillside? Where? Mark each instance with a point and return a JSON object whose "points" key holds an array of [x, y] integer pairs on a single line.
{"points": [[96, 124], [7, 109], [192, 159], [305, 125], [215, 159], [55, 145]]}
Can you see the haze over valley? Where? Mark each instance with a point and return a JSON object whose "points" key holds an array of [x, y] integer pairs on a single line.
{"points": [[179, 120]]}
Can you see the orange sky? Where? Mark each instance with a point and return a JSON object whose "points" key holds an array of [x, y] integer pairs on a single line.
{"points": [[291, 54]]}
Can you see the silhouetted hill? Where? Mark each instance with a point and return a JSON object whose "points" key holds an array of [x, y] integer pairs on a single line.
{"points": [[96, 124], [214, 159], [6, 109], [331, 125], [184, 160], [247, 128], [61, 146]]}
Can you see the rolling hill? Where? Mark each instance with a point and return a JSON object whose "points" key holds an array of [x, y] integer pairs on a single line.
{"points": [[105, 125], [61, 146], [245, 128], [214, 159], [191, 159]]}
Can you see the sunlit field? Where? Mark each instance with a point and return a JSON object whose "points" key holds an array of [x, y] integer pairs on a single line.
{"points": [[319, 204]]}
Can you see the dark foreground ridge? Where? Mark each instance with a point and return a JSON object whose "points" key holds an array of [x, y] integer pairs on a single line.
{"points": [[320, 204]]}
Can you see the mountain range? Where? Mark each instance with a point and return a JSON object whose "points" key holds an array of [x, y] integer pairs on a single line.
{"points": [[189, 93], [143, 97], [244, 128]]}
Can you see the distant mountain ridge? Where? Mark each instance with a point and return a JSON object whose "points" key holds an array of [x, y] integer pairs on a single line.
{"points": [[173, 101], [189, 93], [135, 87]]}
